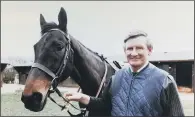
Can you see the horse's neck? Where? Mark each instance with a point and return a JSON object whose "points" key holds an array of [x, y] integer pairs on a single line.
{"points": [[88, 66]]}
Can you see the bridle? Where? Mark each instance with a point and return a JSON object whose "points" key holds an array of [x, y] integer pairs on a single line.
{"points": [[68, 58]]}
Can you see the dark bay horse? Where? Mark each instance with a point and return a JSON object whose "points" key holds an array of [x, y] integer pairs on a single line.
{"points": [[59, 55]]}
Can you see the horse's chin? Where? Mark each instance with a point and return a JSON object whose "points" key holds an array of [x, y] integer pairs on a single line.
{"points": [[35, 109]]}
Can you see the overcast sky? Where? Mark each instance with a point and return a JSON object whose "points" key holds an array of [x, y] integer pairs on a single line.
{"points": [[101, 26]]}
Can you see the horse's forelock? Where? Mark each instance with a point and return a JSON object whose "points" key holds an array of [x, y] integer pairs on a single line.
{"points": [[48, 26]]}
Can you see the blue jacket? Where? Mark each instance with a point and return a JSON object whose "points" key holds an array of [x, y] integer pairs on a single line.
{"points": [[152, 92]]}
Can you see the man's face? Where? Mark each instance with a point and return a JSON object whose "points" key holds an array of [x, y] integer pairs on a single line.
{"points": [[137, 51]]}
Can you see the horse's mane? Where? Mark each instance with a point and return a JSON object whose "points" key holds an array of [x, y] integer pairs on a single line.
{"points": [[51, 25], [96, 53]]}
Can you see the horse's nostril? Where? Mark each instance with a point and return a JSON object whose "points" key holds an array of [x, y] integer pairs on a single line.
{"points": [[37, 96], [33, 102]]}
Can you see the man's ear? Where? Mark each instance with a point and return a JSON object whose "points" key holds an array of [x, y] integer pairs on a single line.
{"points": [[150, 51]]}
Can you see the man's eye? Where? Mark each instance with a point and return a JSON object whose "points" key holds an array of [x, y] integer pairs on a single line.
{"points": [[139, 48], [129, 48]]}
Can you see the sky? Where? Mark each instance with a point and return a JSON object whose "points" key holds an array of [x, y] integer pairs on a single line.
{"points": [[99, 25]]}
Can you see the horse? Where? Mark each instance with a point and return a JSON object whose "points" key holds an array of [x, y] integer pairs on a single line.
{"points": [[58, 55]]}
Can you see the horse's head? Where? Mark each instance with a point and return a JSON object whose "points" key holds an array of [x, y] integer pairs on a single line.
{"points": [[52, 64]]}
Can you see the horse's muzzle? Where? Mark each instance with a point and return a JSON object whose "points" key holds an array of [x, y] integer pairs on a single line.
{"points": [[33, 102]]}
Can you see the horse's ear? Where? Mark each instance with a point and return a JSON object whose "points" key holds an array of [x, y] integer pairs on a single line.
{"points": [[42, 20], [62, 18]]}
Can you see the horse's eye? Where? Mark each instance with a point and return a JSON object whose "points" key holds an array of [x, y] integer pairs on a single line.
{"points": [[59, 47]]}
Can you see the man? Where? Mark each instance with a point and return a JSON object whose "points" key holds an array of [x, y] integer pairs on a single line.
{"points": [[141, 89]]}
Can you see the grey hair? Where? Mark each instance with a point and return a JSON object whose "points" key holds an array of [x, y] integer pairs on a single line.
{"points": [[137, 33]]}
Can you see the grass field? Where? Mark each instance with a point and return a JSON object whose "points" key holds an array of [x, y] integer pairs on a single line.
{"points": [[11, 105]]}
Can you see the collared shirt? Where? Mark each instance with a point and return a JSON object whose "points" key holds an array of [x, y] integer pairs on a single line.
{"points": [[140, 68]]}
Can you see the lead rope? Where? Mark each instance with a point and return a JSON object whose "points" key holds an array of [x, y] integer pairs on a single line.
{"points": [[60, 95], [83, 110]]}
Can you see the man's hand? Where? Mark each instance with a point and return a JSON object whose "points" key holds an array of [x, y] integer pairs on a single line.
{"points": [[79, 97]]}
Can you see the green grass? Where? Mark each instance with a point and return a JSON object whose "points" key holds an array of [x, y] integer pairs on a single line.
{"points": [[11, 105]]}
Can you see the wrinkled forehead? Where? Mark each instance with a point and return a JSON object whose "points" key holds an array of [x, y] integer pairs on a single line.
{"points": [[138, 41]]}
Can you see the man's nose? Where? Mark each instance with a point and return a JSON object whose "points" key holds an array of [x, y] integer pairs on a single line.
{"points": [[134, 52]]}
